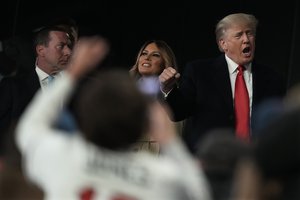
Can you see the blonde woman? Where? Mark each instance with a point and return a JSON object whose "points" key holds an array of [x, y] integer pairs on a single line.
{"points": [[153, 57]]}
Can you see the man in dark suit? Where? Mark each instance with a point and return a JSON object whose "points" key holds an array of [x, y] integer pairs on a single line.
{"points": [[205, 97], [53, 49]]}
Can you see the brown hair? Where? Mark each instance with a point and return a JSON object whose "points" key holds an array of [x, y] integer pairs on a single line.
{"points": [[167, 53], [112, 111]]}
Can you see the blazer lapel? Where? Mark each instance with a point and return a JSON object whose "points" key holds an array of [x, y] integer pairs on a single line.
{"points": [[222, 80], [258, 77]]}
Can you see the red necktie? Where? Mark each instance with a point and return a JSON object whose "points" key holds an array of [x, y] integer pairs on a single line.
{"points": [[241, 106]]}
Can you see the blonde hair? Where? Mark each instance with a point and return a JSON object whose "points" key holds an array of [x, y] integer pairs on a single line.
{"points": [[236, 18]]}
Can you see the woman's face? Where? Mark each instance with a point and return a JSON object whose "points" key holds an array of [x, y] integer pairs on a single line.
{"points": [[151, 61]]}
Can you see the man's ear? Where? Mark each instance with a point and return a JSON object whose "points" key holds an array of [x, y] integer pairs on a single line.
{"points": [[40, 50], [223, 44]]}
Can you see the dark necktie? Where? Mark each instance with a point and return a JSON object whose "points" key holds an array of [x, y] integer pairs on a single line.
{"points": [[241, 106]]}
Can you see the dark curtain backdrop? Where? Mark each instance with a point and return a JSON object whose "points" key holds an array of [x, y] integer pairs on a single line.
{"points": [[188, 27]]}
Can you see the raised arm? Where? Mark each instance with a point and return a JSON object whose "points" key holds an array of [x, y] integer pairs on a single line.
{"points": [[87, 53]]}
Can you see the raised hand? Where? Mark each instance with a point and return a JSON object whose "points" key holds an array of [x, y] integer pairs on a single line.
{"points": [[87, 54], [168, 79]]}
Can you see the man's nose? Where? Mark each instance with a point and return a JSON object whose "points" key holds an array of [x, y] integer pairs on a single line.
{"points": [[245, 37], [67, 50]]}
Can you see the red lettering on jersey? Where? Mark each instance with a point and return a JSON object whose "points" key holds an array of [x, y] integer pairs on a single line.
{"points": [[87, 194]]}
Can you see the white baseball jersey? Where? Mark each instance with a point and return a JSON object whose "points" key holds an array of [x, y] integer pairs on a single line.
{"points": [[68, 167]]}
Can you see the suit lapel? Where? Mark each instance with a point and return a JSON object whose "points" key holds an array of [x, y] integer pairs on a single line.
{"points": [[222, 81], [258, 78], [25, 88]]}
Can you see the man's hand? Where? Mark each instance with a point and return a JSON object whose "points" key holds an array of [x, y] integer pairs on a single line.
{"points": [[87, 54], [168, 79]]}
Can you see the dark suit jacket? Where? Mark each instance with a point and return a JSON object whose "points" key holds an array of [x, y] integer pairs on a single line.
{"points": [[204, 97], [25, 87], [16, 93]]}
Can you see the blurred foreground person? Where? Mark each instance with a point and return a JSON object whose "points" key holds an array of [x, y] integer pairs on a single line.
{"points": [[13, 184], [278, 157], [220, 153], [97, 162]]}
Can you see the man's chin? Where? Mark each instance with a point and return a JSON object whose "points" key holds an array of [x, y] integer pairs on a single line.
{"points": [[57, 70], [62, 66], [248, 59]]}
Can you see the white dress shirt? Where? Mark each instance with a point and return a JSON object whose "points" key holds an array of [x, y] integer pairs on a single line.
{"points": [[43, 77]]}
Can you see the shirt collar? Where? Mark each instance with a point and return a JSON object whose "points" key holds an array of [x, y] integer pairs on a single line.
{"points": [[43, 75], [232, 66]]}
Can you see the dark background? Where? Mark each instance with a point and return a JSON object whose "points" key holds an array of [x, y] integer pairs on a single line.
{"points": [[187, 26]]}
